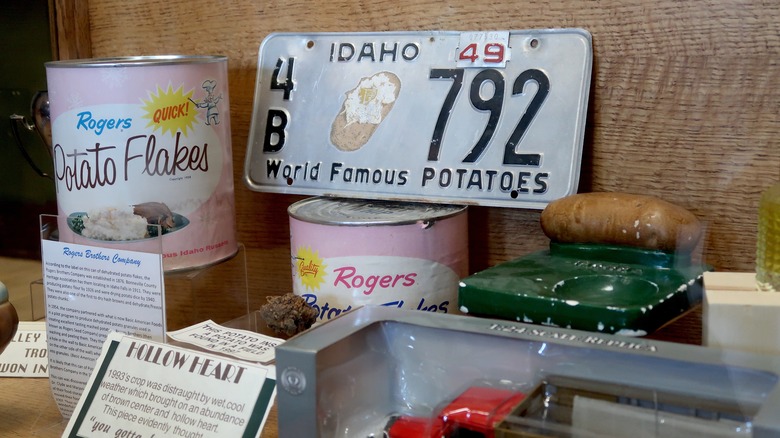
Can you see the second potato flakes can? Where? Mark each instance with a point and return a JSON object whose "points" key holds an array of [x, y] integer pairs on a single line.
{"points": [[352, 252]]}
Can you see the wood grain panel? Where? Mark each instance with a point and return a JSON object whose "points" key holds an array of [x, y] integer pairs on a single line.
{"points": [[683, 102], [69, 22]]}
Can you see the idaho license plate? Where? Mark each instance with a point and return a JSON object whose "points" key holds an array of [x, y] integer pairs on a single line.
{"points": [[483, 118]]}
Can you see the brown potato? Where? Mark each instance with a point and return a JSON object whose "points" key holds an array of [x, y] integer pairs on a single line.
{"points": [[621, 219]]}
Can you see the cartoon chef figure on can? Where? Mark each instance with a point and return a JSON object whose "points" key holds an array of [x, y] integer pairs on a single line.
{"points": [[210, 102]]}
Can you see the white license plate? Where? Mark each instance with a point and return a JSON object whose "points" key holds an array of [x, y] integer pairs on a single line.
{"points": [[483, 118]]}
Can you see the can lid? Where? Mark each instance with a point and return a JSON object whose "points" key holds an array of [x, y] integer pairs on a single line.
{"points": [[367, 212], [137, 61]]}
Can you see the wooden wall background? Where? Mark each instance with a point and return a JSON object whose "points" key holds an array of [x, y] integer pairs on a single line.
{"points": [[683, 105]]}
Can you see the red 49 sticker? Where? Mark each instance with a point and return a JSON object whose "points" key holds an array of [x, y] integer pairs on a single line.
{"points": [[483, 49]]}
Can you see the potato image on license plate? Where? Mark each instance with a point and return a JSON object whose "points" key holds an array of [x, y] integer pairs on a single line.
{"points": [[363, 110]]}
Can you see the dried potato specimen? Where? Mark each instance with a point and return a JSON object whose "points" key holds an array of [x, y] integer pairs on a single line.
{"points": [[288, 314]]}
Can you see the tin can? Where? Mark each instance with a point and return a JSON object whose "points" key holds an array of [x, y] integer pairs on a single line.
{"points": [[139, 141], [352, 252]]}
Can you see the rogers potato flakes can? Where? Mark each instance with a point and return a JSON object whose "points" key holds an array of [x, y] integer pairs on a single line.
{"points": [[145, 140], [352, 252]]}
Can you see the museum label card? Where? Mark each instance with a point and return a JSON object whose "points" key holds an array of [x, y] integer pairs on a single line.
{"points": [[90, 292], [26, 355], [146, 388], [242, 344]]}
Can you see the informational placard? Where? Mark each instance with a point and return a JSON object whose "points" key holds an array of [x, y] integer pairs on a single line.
{"points": [[92, 291], [241, 344], [494, 118], [148, 389], [27, 354]]}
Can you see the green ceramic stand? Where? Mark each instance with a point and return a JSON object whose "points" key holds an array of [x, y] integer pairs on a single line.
{"points": [[601, 288]]}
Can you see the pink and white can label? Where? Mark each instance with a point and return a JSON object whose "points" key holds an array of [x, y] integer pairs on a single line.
{"points": [[139, 138], [352, 252]]}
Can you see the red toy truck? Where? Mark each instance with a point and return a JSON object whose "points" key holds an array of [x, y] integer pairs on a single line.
{"points": [[473, 413]]}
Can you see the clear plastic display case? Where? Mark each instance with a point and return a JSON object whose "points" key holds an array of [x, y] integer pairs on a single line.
{"points": [[379, 371]]}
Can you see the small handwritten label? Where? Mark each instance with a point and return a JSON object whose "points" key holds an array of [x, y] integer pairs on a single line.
{"points": [[241, 344]]}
